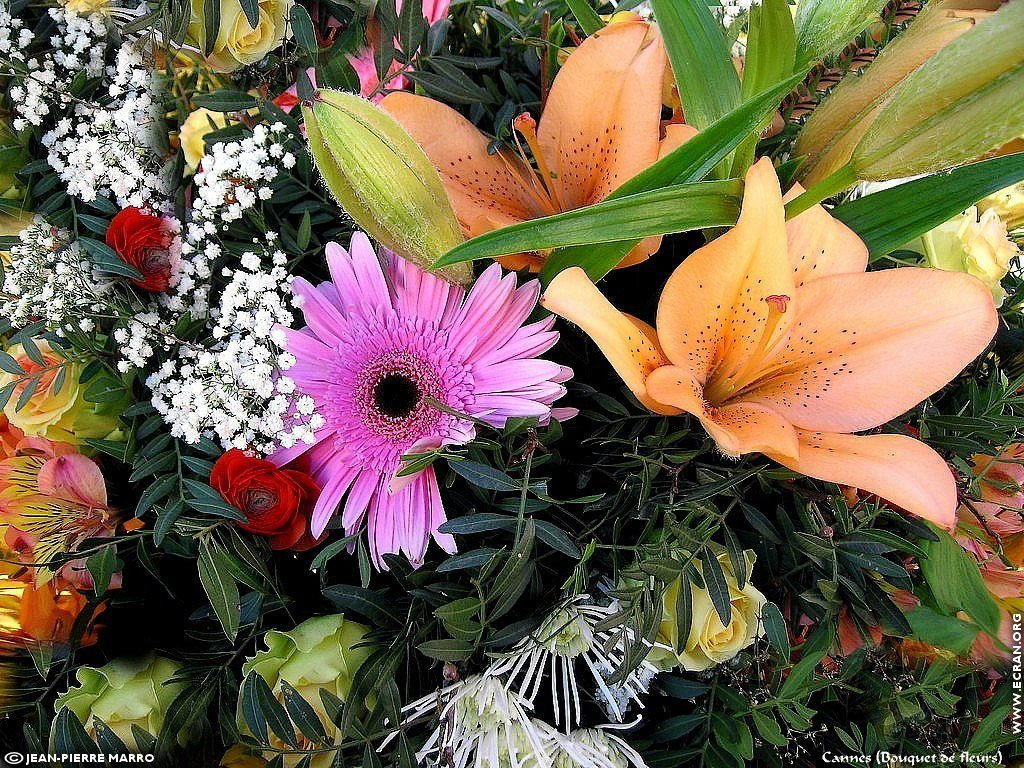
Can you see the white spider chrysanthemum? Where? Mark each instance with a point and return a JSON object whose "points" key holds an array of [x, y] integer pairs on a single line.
{"points": [[569, 637], [595, 748], [482, 724]]}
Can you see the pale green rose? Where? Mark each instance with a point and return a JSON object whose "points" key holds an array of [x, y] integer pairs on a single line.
{"points": [[320, 653], [238, 43], [124, 693], [977, 245], [710, 642]]}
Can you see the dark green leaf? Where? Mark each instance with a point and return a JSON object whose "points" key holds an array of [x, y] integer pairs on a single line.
{"points": [[251, 9], [302, 27], [365, 602], [893, 217], [718, 588], [226, 101], [102, 565], [303, 714], [775, 629], [588, 19], [484, 476], [220, 586]]}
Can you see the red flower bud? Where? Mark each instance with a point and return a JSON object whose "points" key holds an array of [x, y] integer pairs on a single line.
{"points": [[276, 502], [144, 240]]}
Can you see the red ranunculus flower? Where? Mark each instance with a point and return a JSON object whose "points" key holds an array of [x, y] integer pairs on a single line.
{"points": [[277, 502], [144, 241]]}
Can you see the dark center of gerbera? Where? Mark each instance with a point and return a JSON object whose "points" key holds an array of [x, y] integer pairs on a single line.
{"points": [[396, 395]]}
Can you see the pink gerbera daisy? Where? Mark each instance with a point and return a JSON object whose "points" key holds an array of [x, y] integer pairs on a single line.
{"points": [[382, 346]]}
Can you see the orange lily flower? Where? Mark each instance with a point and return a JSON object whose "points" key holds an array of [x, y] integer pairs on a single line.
{"points": [[601, 126], [775, 337]]}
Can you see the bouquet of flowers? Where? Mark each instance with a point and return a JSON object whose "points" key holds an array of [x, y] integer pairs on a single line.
{"points": [[505, 384]]}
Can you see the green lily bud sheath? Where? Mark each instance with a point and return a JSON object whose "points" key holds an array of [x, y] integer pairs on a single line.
{"points": [[837, 125], [824, 27], [382, 179], [959, 105]]}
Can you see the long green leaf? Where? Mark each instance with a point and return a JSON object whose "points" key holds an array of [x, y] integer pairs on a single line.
{"points": [[677, 208], [586, 16], [771, 47], [709, 87], [688, 163], [957, 584], [219, 586], [893, 217], [771, 55]]}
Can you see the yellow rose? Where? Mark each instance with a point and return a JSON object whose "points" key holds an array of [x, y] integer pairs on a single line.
{"points": [[85, 7], [239, 756], [192, 134], [11, 225], [1008, 204], [62, 414], [710, 642], [238, 44], [976, 245]]}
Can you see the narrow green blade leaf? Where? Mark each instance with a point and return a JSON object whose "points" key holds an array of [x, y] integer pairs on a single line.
{"points": [[251, 8], [717, 587], [893, 217], [771, 47], [586, 16], [709, 87], [673, 209], [771, 54], [220, 587]]}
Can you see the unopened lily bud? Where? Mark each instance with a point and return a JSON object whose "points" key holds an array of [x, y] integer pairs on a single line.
{"points": [[959, 105], [832, 131], [825, 26], [382, 178]]}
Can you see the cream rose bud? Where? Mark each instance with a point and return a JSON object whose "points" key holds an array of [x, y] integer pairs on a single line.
{"points": [[192, 134], [123, 693], [977, 245], [238, 43], [710, 642]]}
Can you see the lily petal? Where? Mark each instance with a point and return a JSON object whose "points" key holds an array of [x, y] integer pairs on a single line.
{"points": [[630, 345], [820, 245], [737, 428], [867, 348], [601, 123], [897, 468], [487, 191], [714, 313]]}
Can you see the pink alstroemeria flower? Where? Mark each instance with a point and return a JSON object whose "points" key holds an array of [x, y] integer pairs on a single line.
{"points": [[363, 61], [53, 498]]}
